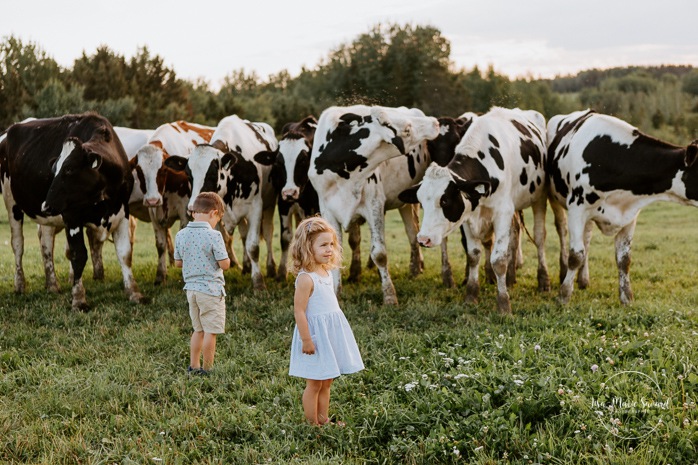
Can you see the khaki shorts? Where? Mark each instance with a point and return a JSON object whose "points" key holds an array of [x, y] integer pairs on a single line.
{"points": [[207, 312]]}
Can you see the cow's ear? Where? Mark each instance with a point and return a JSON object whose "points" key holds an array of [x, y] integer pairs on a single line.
{"points": [[228, 161], [399, 143], [409, 195], [176, 163], [474, 189], [691, 153], [309, 123], [266, 158], [94, 160]]}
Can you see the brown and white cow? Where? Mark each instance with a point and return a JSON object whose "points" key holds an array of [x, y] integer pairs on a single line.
{"points": [[68, 172], [498, 169], [604, 171], [160, 194], [227, 166], [348, 170]]}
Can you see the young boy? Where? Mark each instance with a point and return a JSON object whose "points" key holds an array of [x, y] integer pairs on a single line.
{"points": [[200, 252]]}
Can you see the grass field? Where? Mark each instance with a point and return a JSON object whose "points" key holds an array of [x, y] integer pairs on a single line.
{"points": [[588, 383]]}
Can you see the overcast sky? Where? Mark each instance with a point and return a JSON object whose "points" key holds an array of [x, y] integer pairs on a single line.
{"points": [[211, 38]]}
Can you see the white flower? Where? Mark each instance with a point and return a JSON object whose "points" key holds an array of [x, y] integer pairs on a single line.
{"points": [[409, 386], [456, 452], [479, 448], [536, 348], [518, 382], [594, 367]]}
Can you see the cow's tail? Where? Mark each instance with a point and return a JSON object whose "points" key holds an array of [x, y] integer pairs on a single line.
{"points": [[519, 218]]}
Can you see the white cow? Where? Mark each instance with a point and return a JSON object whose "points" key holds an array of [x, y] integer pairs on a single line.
{"points": [[351, 144], [498, 169], [227, 167]]}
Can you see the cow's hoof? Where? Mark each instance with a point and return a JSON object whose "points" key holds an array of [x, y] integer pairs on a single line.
{"points": [[504, 305], [81, 306], [470, 299], [258, 283], [138, 298], [271, 272], [53, 289], [448, 281], [390, 300], [98, 276]]}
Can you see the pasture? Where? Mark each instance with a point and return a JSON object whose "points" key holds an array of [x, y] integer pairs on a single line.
{"points": [[444, 382]]}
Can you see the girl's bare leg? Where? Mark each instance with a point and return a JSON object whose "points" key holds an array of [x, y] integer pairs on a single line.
{"points": [[323, 401], [310, 400]]}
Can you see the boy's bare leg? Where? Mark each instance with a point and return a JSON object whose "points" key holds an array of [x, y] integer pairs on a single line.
{"points": [[197, 341], [209, 349]]}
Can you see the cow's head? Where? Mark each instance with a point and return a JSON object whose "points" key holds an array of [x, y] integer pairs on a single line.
{"points": [[151, 170], [203, 168], [293, 157], [78, 182], [405, 128], [451, 131], [446, 199]]}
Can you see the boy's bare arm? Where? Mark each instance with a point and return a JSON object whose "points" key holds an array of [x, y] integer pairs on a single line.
{"points": [[224, 264], [178, 263]]}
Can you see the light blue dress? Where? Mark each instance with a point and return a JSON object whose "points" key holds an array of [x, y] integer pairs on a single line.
{"points": [[336, 352]]}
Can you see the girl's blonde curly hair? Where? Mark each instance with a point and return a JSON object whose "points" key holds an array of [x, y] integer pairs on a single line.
{"points": [[302, 245]]}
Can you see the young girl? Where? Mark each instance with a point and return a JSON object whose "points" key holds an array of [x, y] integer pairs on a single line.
{"points": [[323, 344]]}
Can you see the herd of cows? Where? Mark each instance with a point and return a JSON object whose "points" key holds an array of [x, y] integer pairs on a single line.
{"points": [[475, 173]]}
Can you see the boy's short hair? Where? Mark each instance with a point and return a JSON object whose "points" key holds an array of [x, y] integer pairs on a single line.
{"points": [[207, 201]]}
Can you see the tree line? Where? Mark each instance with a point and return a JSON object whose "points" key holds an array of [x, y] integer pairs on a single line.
{"points": [[389, 65]]}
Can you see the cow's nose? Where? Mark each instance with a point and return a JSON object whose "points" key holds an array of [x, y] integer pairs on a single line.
{"points": [[289, 194], [424, 241], [152, 201]]}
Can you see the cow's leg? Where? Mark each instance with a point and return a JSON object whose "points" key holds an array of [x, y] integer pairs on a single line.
{"points": [[500, 257], [379, 253], [410, 219], [161, 234], [132, 226], [47, 239], [122, 244], [514, 243], [268, 235], [285, 237], [96, 246], [446, 272], [583, 274], [15, 217], [473, 253], [539, 236], [576, 224], [560, 216], [624, 240], [490, 277], [244, 228], [354, 239], [77, 254], [228, 240], [170, 246], [254, 225], [336, 273]]}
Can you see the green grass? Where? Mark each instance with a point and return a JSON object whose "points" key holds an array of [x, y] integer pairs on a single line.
{"points": [[444, 382]]}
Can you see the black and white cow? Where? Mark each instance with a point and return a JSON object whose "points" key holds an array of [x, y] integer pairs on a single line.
{"points": [[68, 172], [604, 171], [227, 167], [289, 174], [349, 171], [498, 169]]}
